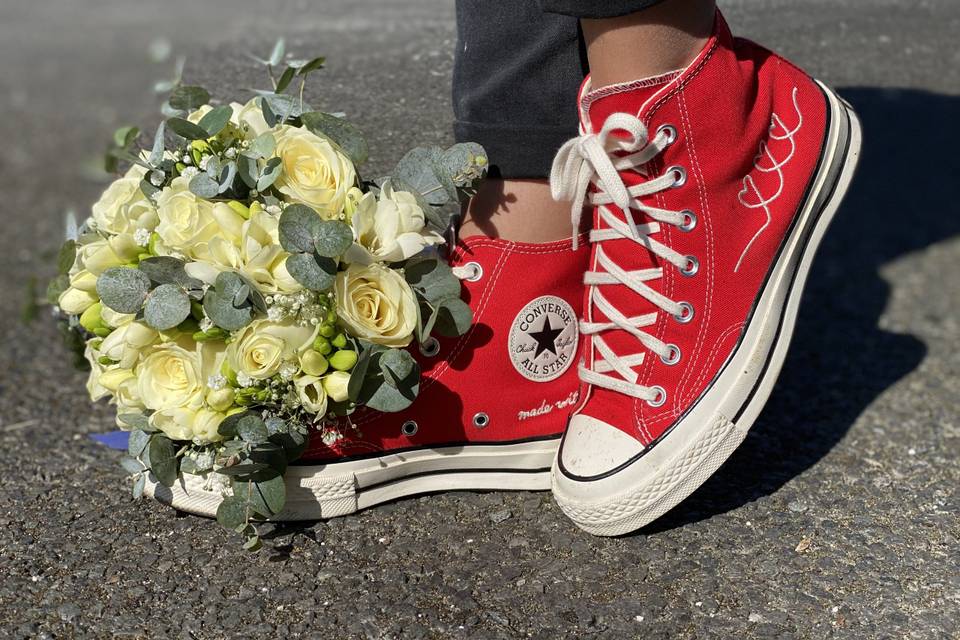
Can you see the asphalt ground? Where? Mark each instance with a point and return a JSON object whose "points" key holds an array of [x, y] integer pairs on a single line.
{"points": [[836, 518]]}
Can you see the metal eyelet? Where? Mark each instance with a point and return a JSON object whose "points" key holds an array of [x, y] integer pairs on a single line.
{"points": [[679, 175], [686, 313], [671, 132], [480, 420], [477, 271], [661, 397], [689, 220], [409, 428], [674, 356], [691, 268], [430, 347]]}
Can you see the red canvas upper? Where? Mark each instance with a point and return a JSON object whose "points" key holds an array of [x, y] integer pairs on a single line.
{"points": [[526, 303], [750, 128]]}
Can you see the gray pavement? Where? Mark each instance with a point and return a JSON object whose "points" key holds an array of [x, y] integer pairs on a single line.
{"points": [[836, 518]]}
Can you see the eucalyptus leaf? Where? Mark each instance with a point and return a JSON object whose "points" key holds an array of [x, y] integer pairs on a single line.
{"points": [[263, 145], [188, 98], [249, 170], [385, 388], [168, 270], [227, 175], [311, 65], [245, 468], [299, 227], [333, 238], [277, 54], [203, 186], [418, 168], [139, 485], [131, 464], [163, 459], [313, 272], [137, 441], [216, 119], [186, 129], [136, 421], [454, 317], [124, 136], [293, 443], [432, 278], [232, 512], [284, 81], [252, 429], [167, 306], [271, 171], [56, 287], [66, 257], [266, 497], [123, 289], [218, 303], [342, 132], [156, 153]]}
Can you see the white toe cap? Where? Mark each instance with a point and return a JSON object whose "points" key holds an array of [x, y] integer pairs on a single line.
{"points": [[592, 447]]}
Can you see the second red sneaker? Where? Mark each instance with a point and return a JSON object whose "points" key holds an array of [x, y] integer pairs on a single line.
{"points": [[713, 187], [492, 405]]}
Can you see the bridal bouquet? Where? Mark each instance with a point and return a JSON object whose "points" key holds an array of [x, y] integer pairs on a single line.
{"points": [[240, 284]]}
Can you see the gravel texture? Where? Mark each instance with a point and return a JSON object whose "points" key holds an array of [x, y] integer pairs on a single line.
{"points": [[836, 518]]}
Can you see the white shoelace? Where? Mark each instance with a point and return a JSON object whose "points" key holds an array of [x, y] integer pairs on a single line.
{"points": [[596, 159]]}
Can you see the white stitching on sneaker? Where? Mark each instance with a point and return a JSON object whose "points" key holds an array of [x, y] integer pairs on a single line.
{"points": [[594, 159], [776, 166]]}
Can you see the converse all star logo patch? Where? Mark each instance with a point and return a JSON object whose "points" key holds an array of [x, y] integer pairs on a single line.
{"points": [[543, 339]]}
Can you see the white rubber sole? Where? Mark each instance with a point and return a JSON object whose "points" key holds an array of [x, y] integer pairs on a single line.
{"points": [[671, 470], [336, 489]]}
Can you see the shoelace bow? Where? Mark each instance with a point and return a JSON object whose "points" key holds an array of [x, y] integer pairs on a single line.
{"points": [[598, 159]]}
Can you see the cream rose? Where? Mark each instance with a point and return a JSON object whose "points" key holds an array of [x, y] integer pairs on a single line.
{"points": [[170, 378], [187, 222], [390, 229], [377, 304], [197, 425], [314, 172], [122, 208], [101, 254], [311, 394], [262, 346]]}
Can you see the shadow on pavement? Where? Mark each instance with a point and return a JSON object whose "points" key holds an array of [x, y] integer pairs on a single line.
{"points": [[840, 361]]}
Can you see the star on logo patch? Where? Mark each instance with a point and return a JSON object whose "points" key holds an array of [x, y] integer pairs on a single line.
{"points": [[543, 339]]}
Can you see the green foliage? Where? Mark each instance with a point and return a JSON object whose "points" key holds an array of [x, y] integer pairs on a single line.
{"points": [[203, 186], [163, 461], [188, 98], [340, 131], [166, 307], [215, 120], [123, 289], [168, 270], [224, 304], [385, 379], [314, 243], [186, 129]]}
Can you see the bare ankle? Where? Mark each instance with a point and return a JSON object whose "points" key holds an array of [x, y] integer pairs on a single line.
{"points": [[517, 210]]}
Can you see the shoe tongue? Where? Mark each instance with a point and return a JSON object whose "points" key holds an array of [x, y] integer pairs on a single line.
{"points": [[599, 104], [626, 97]]}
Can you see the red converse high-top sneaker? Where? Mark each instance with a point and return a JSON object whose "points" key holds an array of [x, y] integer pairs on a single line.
{"points": [[492, 404], [713, 187]]}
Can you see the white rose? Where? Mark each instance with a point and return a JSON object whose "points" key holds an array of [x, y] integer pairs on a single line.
{"points": [[197, 425], [169, 377], [376, 304], [311, 394], [314, 172], [336, 385], [262, 346], [389, 230], [187, 222], [122, 208]]}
